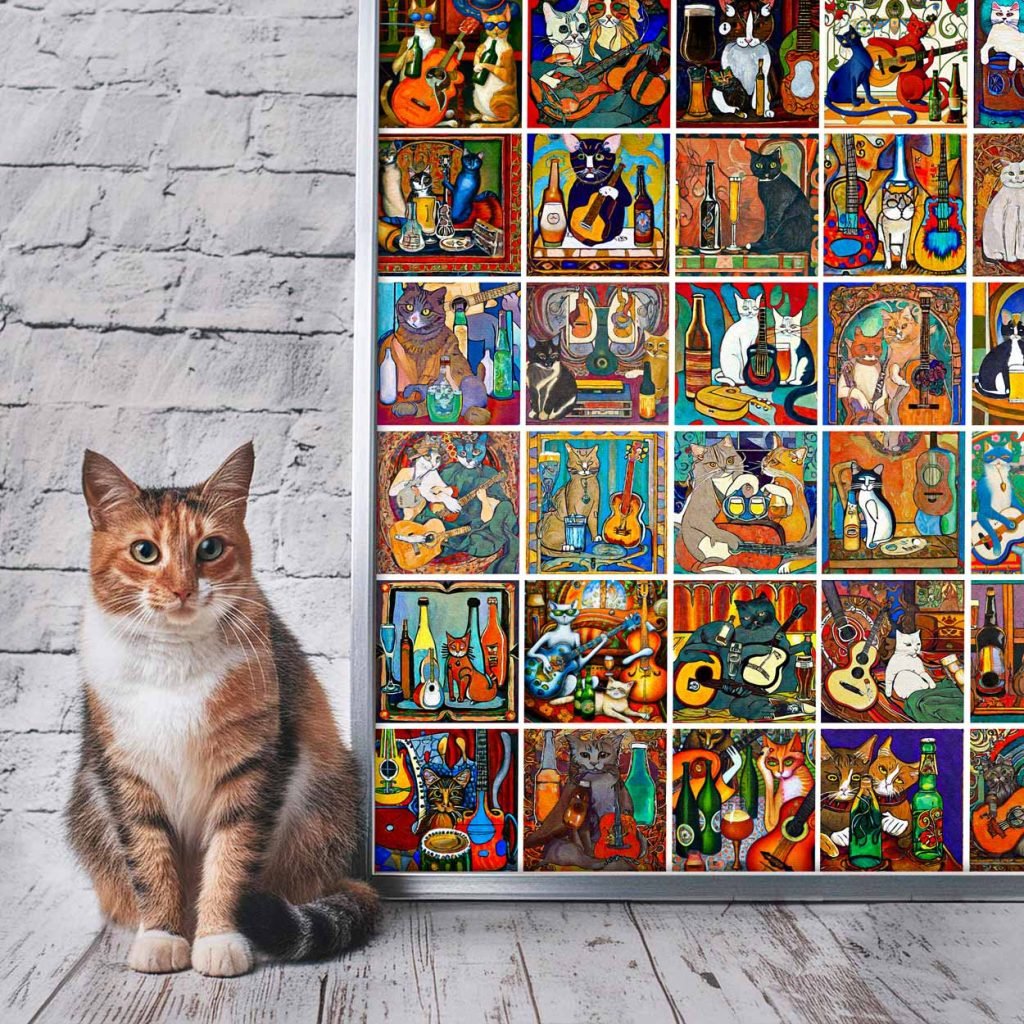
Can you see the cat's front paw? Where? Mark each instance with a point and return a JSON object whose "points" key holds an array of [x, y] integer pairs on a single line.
{"points": [[842, 837], [158, 952], [226, 955], [893, 825], [609, 191]]}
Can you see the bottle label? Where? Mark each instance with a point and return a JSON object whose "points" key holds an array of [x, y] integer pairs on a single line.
{"points": [[701, 820], [643, 226], [716, 822], [928, 828], [685, 835]]}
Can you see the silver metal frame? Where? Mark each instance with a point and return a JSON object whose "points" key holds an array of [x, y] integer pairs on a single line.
{"points": [[663, 886]]}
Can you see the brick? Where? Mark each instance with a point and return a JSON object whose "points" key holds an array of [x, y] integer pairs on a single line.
{"points": [[315, 538], [320, 454], [48, 530], [40, 127], [38, 770], [41, 208], [41, 610], [207, 131], [40, 692], [305, 133]]}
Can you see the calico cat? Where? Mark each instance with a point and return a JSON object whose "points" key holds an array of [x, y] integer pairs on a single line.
{"points": [[736, 342], [891, 778], [445, 800], [747, 51], [205, 734], [901, 331], [567, 32], [580, 495], [905, 671], [613, 26], [994, 372], [421, 482], [1002, 237], [788, 217], [716, 471], [785, 773], [422, 15], [563, 634], [465, 682], [875, 510], [999, 784], [841, 771], [785, 467], [728, 95], [896, 223], [1004, 36], [860, 387], [846, 82], [801, 377], [593, 161], [550, 385], [593, 756], [420, 338], [496, 99]]}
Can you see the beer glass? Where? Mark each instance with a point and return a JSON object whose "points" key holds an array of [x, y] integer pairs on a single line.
{"points": [[698, 49], [736, 825], [734, 210]]}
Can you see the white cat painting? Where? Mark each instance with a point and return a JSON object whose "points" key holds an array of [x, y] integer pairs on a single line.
{"points": [[906, 672], [1002, 236], [736, 341], [567, 31], [1004, 36]]}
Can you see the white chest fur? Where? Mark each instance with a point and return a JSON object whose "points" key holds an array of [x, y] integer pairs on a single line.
{"points": [[154, 691]]}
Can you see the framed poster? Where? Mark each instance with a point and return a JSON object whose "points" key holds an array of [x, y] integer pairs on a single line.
{"points": [[688, 464]]}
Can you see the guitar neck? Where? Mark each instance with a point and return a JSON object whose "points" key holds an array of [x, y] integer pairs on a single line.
{"points": [[803, 27], [481, 298], [851, 175], [794, 615], [591, 644], [876, 628], [467, 498], [926, 317], [803, 812], [769, 549], [943, 172], [481, 765]]}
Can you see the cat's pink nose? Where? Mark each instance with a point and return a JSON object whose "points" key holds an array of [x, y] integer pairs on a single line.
{"points": [[182, 593]]}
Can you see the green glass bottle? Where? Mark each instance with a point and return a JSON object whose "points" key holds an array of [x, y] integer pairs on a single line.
{"points": [[640, 786], [865, 827], [687, 837], [415, 66], [490, 57], [926, 807], [748, 783], [588, 703], [935, 99], [709, 814], [503, 382]]}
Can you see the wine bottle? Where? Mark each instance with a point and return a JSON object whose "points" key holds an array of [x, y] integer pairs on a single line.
{"points": [[697, 350], [495, 645], [640, 786], [926, 807], [710, 213], [503, 385], [748, 783], [414, 66], [405, 662], [476, 649], [648, 404], [686, 821], [548, 784], [1015, 372], [423, 647], [488, 364], [489, 57], [956, 97], [935, 99], [553, 222], [990, 644], [388, 378], [709, 817], [588, 702], [865, 827], [643, 213], [760, 91], [851, 523]]}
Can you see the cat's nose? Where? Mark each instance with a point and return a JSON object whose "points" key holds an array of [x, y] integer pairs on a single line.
{"points": [[182, 593]]}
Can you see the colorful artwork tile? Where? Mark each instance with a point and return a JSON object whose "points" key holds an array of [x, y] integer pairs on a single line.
{"points": [[596, 502], [996, 799], [745, 502], [997, 652], [997, 502], [894, 205], [594, 799], [997, 394], [746, 353], [746, 205], [891, 799], [998, 202], [597, 352], [892, 652], [999, 74], [892, 500], [446, 800], [895, 354], [744, 652], [596, 651], [743, 800]]}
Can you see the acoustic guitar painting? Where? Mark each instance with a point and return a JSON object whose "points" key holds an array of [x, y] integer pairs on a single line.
{"points": [[996, 799]]}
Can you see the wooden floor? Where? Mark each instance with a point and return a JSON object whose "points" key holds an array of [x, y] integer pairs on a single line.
{"points": [[532, 962]]}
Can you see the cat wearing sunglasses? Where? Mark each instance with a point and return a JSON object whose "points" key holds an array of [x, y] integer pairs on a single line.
{"points": [[495, 84]]}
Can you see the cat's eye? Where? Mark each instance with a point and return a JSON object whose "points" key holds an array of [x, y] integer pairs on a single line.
{"points": [[145, 551], [427, 312], [210, 549], [409, 306], [832, 777]]}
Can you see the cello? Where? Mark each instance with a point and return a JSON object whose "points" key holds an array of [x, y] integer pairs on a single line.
{"points": [[649, 679]]}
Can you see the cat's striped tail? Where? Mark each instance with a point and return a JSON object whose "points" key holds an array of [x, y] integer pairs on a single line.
{"points": [[314, 931]]}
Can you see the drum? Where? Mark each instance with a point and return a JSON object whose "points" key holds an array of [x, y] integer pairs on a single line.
{"points": [[444, 849]]}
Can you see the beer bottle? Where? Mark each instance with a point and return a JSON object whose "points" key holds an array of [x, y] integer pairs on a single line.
{"points": [[388, 378], [414, 66], [865, 827], [748, 783], [476, 648], [548, 784], [956, 97], [588, 703], [935, 99], [423, 647], [503, 384], [460, 325], [643, 213], [495, 644], [926, 807], [686, 837], [709, 814], [553, 223], [990, 664], [575, 813], [405, 662], [1015, 370], [697, 350], [648, 406], [640, 786], [760, 91], [851, 523], [710, 213]]}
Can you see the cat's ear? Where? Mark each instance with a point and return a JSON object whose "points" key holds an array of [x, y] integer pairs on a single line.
{"points": [[826, 750], [464, 777], [796, 744], [574, 608], [800, 454], [227, 490], [572, 142], [855, 467], [430, 776], [878, 469], [612, 143], [863, 752], [105, 488], [885, 747], [439, 294], [697, 451], [1005, 317]]}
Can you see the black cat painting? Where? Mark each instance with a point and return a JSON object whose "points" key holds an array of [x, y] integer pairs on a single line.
{"points": [[788, 217], [593, 163]]}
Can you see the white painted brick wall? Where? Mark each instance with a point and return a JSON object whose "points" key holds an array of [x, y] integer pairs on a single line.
{"points": [[176, 236]]}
